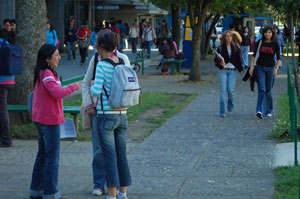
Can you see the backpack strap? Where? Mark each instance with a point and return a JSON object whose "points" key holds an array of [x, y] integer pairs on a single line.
{"points": [[95, 65], [114, 64]]}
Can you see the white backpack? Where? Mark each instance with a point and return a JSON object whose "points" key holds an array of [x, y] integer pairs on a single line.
{"points": [[125, 89]]}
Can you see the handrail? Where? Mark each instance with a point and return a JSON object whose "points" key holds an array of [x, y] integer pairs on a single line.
{"points": [[294, 111]]}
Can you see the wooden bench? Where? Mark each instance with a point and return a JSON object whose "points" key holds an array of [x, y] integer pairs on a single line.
{"points": [[174, 63], [73, 110]]}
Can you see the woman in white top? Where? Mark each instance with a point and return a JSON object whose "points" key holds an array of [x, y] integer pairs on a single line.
{"points": [[133, 34]]}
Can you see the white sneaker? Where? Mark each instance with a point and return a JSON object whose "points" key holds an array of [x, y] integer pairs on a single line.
{"points": [[269, 115], [97, 192]]}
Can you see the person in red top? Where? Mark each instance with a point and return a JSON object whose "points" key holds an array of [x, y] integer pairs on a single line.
{"points": [[83, 34], [47, 115]]}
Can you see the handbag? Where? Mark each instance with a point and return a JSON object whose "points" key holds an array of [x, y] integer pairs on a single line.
{"points": [[257, 53]]}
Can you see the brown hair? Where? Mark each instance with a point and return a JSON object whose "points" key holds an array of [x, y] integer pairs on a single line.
{"points": [[223, 39]]}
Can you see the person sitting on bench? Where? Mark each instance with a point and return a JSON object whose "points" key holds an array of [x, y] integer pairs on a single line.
{"points": [[168, 51]]}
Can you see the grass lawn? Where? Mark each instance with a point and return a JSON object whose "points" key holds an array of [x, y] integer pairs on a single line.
{"points": [[287, 182], [172, 103], [281, 131]]}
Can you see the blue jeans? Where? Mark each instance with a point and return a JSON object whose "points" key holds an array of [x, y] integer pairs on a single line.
{"points": [[112, 131], [148, 46], [265, 82], [45, 170], [133, 42], [98, 160], [244, 55], [71, 46], [227, 84]]}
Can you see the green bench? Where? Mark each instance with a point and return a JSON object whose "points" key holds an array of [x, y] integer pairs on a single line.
{"points": [[174, 63], [73, 110]]}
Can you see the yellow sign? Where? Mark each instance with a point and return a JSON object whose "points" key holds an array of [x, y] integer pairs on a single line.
{"points": [[188, 30]]}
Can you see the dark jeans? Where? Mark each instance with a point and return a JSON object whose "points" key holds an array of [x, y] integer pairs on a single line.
{"points": [[4, 117], [83, 53], [45, 170], [133, 42], [71, 46]]}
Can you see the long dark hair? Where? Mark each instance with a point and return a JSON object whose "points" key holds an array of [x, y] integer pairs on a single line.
{"points": [[273, 38], [170, 43], [45, 52]]}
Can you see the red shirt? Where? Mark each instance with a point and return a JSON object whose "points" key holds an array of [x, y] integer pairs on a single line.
{"points": [[117, 30], [47, 104]]}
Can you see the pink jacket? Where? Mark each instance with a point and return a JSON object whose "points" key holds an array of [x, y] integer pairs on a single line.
{"points": [[47, 104]]}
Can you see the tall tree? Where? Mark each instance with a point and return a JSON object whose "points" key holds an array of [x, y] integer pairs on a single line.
{"points": [[289, 8], [30, 35], [175, 7], [198, 10]]}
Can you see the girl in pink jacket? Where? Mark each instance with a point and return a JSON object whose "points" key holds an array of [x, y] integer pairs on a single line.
{"points": [[47, 115]]}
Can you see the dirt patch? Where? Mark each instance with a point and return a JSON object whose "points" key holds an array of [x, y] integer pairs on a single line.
{"points": [[140, 128]]}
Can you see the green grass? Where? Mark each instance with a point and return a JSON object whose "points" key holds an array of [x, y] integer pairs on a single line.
{"points": [[281, 130], [287, 182], [171, 103]]}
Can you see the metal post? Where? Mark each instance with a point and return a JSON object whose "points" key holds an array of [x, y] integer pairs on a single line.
{"points": [[142, 61], [287, 48]]}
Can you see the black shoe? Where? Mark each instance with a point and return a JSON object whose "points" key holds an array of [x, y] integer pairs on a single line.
{"points": [[5, 145], [259, 115], [36, 197]]}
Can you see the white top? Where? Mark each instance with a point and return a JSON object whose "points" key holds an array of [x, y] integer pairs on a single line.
{"points": [[149, 34], [133, 32], [229, 65]]}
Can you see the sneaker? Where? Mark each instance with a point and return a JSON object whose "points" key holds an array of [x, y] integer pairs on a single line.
{"points": [[269, 115], [97, 192], [36, 197], [5, 145], [259, 115]]}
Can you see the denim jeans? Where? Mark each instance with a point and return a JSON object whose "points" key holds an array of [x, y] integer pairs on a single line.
{"points": [[71, 46], [45, 170], [148, 45], [133, 42], [227, 84], [244, 55], [112, 131], [98, 160], [265, 82], [4, 117]]}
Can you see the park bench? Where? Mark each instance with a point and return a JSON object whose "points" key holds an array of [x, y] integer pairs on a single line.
{"points": [[174, 63], [73, 110]]}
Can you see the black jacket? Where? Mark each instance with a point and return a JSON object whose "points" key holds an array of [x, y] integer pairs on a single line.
{"points": [[235, 57], [253, 78]]}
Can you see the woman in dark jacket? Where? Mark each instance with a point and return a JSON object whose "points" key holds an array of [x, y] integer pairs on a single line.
{"points": [[228, 60], [168, 51], [266, 70]]}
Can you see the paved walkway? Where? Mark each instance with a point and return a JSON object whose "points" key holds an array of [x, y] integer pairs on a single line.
{"points": [[195, 154]]}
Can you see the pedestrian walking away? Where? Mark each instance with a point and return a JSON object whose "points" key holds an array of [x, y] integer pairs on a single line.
{"points": [[83, 35], [88, 104], [269, 48], [228, 60], [112, 124], [51, 35], [47, 115]]}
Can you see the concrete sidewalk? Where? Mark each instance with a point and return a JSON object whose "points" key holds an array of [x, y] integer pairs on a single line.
{"points": [[194, 155]]}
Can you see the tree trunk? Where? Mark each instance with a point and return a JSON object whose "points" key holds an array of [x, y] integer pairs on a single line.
{"points": [[196, 40], [31, 34], [176, 20], [296, 78], [206, 43]]}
